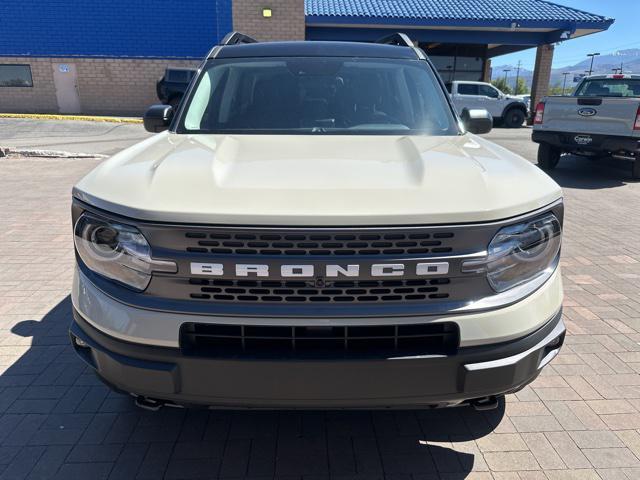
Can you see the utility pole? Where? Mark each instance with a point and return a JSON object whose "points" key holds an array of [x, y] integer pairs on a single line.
{"points": [[564, 81], [592, 55], [517, 77]]}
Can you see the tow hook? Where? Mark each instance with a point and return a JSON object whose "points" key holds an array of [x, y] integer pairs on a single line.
{"points": [[147, 403], [486, 403]]}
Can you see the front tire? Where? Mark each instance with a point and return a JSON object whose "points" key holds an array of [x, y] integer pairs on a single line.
{"points": [[635, 169], [548, 156], [513, 118]]}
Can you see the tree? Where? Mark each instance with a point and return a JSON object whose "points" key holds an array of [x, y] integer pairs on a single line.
{"points": [[556, 89], [501, 85], [522, 88]]}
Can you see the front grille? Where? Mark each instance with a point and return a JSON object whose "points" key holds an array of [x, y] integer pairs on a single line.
{"points": [[369, 291], [244, 242], [215, 340], [317, 294], [303, 272]]}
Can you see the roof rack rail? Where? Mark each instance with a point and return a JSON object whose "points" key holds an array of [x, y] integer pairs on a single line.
{"points": [[398, 38], [234, 38]]}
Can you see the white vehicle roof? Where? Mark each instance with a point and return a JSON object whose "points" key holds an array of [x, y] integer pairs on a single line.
{"points": [[616, 76], [472, 82]]}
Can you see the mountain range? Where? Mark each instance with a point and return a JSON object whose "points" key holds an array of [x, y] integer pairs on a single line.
{"points": [[630, 60]]}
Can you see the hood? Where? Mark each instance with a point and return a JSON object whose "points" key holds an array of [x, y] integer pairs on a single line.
{"points": [[316, 180]]}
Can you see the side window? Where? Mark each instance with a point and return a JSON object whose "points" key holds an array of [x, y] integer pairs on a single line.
{"points": [[468, 89], [15, 76], [488, 91], [178, 76]]}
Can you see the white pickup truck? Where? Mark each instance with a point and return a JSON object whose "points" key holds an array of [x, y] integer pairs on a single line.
{"points": [[601, 118], [509, 110]]}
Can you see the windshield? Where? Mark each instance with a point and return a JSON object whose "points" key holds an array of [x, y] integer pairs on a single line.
{"points": [[610, 87], [317, 95]]}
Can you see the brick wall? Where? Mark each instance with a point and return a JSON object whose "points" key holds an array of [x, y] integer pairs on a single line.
{"points": [[286, 23], [105, 86], [37, 99], [121, 86]]}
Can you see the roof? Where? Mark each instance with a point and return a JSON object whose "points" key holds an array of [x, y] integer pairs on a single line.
{"points": [[456, 10], [315, 49], [614, 76]]}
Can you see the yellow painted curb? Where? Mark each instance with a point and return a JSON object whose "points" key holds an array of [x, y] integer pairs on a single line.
{"points": [[87, 118]]}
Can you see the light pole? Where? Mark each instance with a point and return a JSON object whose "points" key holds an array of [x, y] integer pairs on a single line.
{"points": [[592, 55], [564, 81], [506, 70], [517, 76]]}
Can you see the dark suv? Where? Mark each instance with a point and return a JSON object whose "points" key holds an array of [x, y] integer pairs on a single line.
{"points": [[174, 83]]}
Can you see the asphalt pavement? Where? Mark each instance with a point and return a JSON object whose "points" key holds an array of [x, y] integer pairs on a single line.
{"points": [[104, 138]]}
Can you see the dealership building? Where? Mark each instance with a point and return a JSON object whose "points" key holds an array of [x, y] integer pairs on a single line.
{"points": [[105, 57]]}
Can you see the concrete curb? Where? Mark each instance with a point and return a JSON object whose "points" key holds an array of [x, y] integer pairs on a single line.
{"points": [[32, 152], [86, 118]]}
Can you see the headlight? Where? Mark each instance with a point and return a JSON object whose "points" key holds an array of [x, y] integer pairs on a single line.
{"points": [[520, 253], [116, 251]]}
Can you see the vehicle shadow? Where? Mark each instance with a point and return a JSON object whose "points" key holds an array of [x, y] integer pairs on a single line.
{"points": [[591, 174], [52, 407]]}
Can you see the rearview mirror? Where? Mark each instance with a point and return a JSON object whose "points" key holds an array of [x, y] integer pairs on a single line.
{"points": [[477, 120], [158, 118]]}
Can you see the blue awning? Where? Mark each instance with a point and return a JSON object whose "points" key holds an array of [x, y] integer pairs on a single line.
{"points": [[517, 22]]}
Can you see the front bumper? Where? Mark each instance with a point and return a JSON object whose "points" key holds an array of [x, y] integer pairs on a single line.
{"points": [[166, 374]]}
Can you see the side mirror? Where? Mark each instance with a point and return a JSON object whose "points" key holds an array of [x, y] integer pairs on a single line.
{"points": [[158, 118], [477, 120]]}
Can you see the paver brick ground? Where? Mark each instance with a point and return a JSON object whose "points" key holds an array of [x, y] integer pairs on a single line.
{"points": [[579, 420]]}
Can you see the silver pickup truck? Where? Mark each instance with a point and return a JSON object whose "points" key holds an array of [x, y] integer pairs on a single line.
{"points": [[601, 118]]}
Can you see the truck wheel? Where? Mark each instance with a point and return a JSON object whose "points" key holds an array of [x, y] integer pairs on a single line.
{"points": [[635, 169], [548, 156], [513, 118]]}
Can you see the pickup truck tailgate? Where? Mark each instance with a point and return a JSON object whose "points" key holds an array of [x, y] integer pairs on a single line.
{"points": [[591, 115]]}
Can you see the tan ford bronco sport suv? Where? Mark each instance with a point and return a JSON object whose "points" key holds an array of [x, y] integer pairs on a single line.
{"points": [[315, 227]]}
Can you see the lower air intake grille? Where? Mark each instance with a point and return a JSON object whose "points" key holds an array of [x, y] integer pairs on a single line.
{"points": [[214, 340]]}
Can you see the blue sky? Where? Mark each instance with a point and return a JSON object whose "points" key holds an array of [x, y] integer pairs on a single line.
{"points": [[622, 34]]}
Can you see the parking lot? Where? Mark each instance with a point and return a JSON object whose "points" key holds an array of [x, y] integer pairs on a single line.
{"points": [[579, 420]]}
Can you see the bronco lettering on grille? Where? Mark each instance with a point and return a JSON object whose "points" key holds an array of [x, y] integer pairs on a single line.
{"points": [[329, 271]]}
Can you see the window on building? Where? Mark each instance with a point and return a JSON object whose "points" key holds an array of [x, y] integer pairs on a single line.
{"points": [[458, 62], [15, 76]]}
